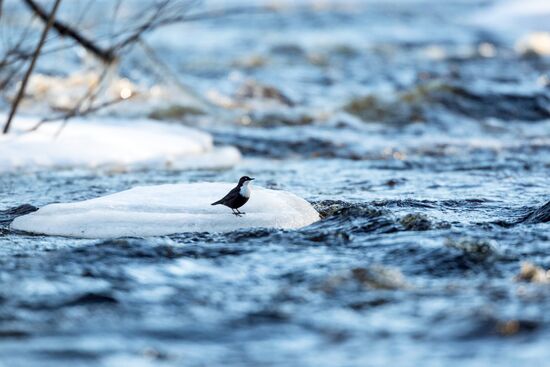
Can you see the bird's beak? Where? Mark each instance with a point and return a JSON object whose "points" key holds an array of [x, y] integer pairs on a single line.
{"points": [[252, 178]]}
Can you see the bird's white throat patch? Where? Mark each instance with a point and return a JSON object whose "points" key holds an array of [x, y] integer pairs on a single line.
{"points": [[245, 190]]}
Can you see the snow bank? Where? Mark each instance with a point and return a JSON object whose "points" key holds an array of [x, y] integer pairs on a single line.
{"points": [[167, 209], [111, 143]]}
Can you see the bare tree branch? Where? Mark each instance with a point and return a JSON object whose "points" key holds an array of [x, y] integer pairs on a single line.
{"points": [[80, 113], [168, 76], [106, 55], [31, 66], [161, 13], [89, 97], [146, 26], [164, 13]]}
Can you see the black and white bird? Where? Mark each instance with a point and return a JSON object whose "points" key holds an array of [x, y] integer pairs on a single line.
{"points": [[237, 197]]}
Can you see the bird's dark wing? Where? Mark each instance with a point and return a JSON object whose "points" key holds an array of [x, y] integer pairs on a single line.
{"points": [[231, 195]]}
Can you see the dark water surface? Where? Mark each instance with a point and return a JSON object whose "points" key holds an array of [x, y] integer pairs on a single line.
{"points": [[424, 153]]}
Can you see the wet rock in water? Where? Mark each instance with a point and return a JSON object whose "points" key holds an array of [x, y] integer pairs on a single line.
{"points": [[277, 118], [250, 62], [372, 277], [503, 106], [455, 258], [405, 107], [492, 325], [512, 327], [254, 90], [414, 105], [416, 222], [475, 249], [541, 215], [174, 112], [345, 50], [529, 272], [329, 208], [347, 219], [379, 277], [393, 182], [375, 109]]}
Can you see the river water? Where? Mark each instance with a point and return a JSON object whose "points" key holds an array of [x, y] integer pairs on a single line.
{"points": [[421, 136]]}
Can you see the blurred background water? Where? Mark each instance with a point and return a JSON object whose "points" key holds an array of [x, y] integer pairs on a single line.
{"points": [[420, 130]]}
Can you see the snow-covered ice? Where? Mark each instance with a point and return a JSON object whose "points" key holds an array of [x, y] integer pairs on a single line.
{"points": [[111, 143], [167, 209]]}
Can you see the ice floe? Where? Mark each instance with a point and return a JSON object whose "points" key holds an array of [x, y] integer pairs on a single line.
{"points": [[167, 209], [119, 144]]}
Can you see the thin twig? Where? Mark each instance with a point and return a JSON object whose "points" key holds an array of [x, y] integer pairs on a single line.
{"points": [[139, 31], [90, 96], [114, 18], [31, 66], [164, 13], [76, 113], [168, 76]]}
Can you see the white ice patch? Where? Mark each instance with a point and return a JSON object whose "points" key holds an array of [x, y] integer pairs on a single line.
{"points": [[110, 143], [167, 209]]}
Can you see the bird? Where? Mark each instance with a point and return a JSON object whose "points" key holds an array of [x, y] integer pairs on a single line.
{"points": [[237, 197]]}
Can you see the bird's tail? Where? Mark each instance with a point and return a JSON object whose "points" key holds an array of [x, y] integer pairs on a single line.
{"points": [[217, 202]]}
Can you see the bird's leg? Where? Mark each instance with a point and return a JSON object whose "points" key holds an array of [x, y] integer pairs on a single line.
{"points": [[236, 213]]}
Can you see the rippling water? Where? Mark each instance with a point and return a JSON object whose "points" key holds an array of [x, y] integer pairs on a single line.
{"points": [[422, 139]]}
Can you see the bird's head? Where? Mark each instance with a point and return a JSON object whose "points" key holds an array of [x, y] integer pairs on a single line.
{"points": [[244, 180]]}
